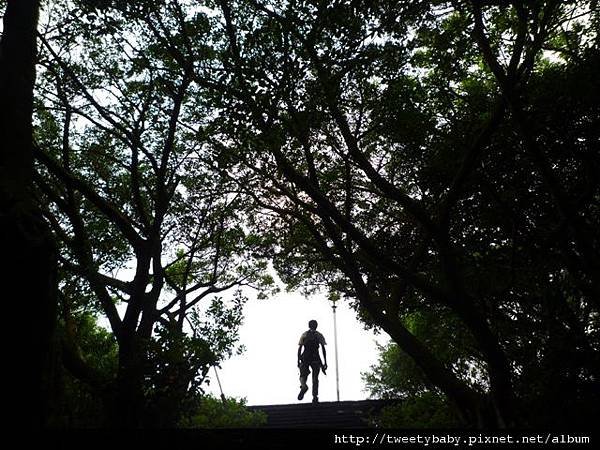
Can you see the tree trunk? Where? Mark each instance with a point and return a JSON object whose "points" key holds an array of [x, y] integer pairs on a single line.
{"points": [[486, 412], [501, 396], [465, 399], [127, 404], [29, 280]]}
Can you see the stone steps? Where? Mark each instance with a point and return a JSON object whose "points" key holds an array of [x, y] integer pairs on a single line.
{"points": [[346, 414]]}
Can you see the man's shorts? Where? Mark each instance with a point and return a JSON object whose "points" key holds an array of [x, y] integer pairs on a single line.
{"points": [[305, 367]]}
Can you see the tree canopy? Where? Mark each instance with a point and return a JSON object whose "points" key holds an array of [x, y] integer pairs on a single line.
{"points": [[433, 162], [148, 232], [431, 159]]}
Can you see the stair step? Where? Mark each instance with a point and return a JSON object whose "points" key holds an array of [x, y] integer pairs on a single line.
{"points": [[347, 414]]}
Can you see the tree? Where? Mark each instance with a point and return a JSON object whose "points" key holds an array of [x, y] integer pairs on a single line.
{"points": [[29, 270], [140, 218], [231, 413], [89, 352], [396, 375], [403, 153], [409, 155]]}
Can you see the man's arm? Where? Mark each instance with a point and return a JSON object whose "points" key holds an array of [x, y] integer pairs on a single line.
{"points": [[324, 356], [299, 352]]}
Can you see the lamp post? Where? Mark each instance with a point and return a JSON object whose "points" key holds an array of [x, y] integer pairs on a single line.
{"points": [[335, 343], [220, 387]]}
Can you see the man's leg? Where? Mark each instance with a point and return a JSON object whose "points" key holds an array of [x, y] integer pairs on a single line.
{"points": [[315, 381], [303, 377]]}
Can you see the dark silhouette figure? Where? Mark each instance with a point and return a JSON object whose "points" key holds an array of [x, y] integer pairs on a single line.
{"points": [[309, 360]]}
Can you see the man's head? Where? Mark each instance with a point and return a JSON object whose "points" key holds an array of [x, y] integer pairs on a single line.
{"points": [[312, 324]]}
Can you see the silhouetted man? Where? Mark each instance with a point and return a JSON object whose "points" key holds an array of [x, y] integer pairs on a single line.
{"points": [[310, 360]]}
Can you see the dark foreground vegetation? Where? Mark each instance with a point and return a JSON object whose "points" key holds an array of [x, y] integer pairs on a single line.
{"points": [[434, 163]]}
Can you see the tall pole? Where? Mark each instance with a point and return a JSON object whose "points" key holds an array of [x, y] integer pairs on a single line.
{"points": [[220, 387], [335, 342]]}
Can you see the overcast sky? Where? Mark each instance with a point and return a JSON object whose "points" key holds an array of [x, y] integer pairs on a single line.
{"points": [[267, 373]]}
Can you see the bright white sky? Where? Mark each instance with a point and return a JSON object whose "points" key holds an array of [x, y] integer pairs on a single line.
{"points": [[266, 373]]}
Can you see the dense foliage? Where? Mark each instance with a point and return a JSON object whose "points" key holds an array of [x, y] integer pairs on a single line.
{"points": [[230, 413], [148, 234], [437, 162], [433, 162]]}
